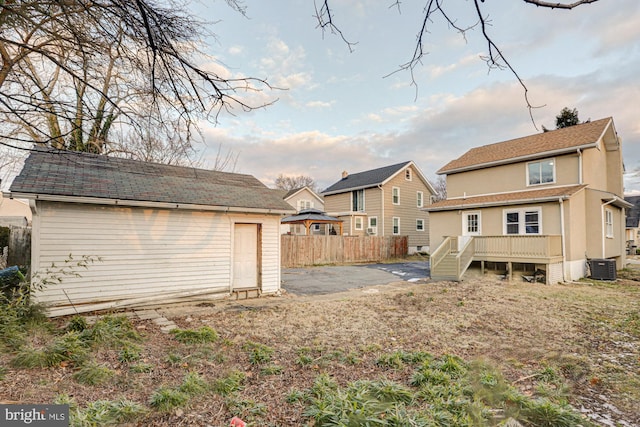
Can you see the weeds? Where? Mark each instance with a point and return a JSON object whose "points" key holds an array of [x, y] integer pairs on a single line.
{"points": [[193, 384], [141, 368], [165, 399], [107, 412], [188, 336], [443, 391], [93, 374], [258, 353], [230, 384], [110, 331], [272, 370]]}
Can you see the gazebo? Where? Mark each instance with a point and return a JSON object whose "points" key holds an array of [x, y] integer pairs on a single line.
{"points": [[312, 216]]}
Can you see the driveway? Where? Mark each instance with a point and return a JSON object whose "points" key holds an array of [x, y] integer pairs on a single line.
{"points": [[332, 279]]}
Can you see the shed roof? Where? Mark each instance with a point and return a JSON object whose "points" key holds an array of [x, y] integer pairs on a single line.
{"points": [[64, 175], [540, 144], [365, 179]]}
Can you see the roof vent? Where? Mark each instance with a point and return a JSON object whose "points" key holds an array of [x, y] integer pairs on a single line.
{"points": [[345, 174]]}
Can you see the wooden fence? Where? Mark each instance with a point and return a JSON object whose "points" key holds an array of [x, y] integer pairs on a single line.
{"points": [[301, 251]]}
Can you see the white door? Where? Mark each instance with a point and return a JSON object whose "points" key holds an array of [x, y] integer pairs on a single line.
{"points": [[245, 256], [471, 226]]}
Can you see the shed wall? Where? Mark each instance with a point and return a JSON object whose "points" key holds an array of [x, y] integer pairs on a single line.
{"points": [[144, 251]]}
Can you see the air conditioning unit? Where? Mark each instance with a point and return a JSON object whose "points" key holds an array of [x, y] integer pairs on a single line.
{"points": [[603, 269], [372, 230]]}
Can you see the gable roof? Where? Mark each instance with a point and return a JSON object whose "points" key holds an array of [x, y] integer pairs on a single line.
{"points": [[502, 199], [372, 178], [91, 178], [533, 146], [295, 191]]}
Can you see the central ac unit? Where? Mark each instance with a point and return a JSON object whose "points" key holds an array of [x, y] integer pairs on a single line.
{"points": [[603, 269], [372, 230]]}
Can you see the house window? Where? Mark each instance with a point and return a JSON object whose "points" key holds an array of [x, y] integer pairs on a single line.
{"points": [[396, 225], [358, 225], [542, 172], [420, 198], [373, 221], [395, 195], [608, 218], [419, 224], [304, 204], [522, 221], [357, 201], [407, 174]]}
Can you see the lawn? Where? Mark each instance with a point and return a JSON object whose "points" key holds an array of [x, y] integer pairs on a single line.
{"points": [[479, 352]]}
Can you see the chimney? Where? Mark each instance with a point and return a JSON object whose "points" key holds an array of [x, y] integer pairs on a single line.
{"points": [[345, 174]]}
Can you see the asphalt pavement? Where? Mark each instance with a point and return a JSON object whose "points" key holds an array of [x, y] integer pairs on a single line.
{"points": [[331, 279]]}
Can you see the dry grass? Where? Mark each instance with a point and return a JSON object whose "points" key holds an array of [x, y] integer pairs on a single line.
{"points": [[587, 332]]}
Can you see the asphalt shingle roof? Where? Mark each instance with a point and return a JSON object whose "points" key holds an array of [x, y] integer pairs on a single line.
{"points": [[88, 175], [506, 198], [365, 179], [552, 141]]}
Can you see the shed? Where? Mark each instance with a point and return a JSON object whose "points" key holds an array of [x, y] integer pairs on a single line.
{"points": [[161, 233]]}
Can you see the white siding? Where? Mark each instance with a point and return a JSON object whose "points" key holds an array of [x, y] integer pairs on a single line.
{"points": [[144, 252]]}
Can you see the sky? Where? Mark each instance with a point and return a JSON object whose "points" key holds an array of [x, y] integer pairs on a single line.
{"points": [[339, 110]]}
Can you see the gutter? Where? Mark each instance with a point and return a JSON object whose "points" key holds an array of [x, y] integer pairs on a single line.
{"points": [[146, 204]]}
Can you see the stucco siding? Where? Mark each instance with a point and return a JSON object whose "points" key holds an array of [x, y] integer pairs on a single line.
{"points": [[144, 252], [511, 177]]}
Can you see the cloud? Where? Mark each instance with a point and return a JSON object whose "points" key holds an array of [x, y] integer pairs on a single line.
{"points": [[320, 104]]}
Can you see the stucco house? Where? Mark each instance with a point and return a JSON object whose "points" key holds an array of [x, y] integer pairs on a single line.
{"points": [[548, 203], [162, 233], [385, 201]]}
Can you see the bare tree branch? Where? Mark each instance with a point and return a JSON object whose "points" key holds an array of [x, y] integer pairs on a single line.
{"points": [[435, 9], [557, 5]]}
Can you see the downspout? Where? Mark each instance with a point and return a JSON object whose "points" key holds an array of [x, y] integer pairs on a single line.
{"points": [[381, 208], [563, 240], [604, 228], [579, 166]]}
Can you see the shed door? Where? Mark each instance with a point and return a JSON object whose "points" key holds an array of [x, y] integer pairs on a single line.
{"points": [[245, 256]]}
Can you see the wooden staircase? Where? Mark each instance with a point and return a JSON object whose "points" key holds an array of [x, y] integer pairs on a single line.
{"points": [[449, 263]]}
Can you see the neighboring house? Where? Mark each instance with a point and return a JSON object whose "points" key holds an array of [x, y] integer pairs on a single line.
{"points": [[383, 202], [162, 232], [14, 212], [549, 201], [632, 229], [301, 199]]}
